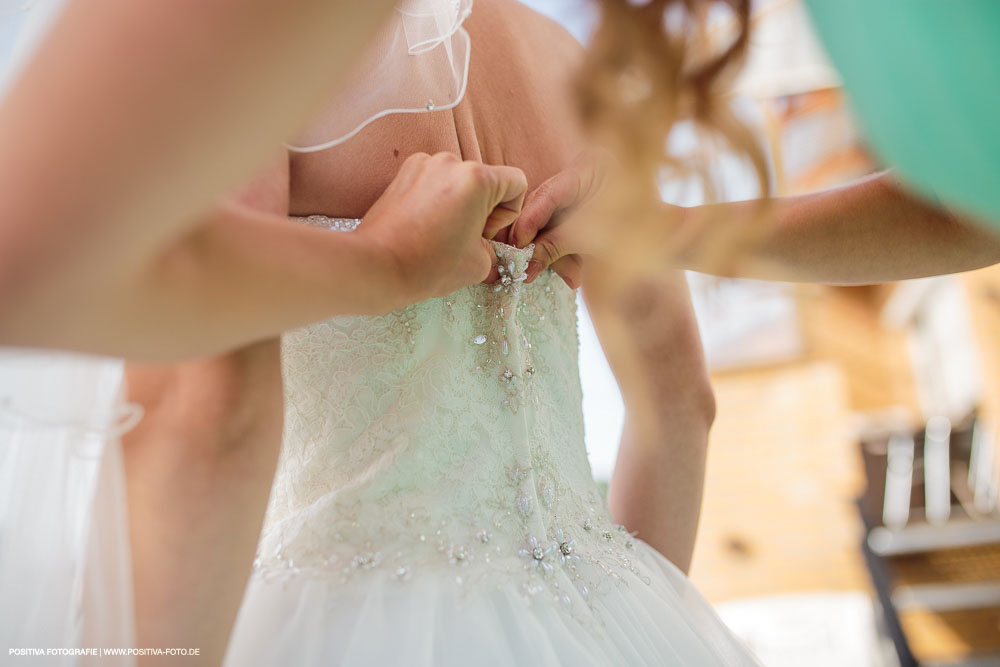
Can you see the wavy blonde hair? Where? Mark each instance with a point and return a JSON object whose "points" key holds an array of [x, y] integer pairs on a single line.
{"points": [[650, 67]]}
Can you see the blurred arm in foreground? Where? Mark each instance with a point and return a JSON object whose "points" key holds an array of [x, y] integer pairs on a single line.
{"points": [[872, 230]]}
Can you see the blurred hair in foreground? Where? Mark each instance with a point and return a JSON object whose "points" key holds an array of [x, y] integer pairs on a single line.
{"points": [[653, 67]]}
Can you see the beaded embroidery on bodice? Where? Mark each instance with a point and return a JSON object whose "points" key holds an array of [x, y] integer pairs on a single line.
{"points": [[444, 438]]}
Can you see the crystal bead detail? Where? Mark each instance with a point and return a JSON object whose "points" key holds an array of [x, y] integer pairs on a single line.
{"points": [[498, 316], [365, 560], [332, 224]]}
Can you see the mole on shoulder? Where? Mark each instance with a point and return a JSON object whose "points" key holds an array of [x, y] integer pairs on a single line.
{"points": [[395, 152]]}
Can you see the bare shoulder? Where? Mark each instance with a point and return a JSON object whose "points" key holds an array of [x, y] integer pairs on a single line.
{"points": [[517, 110], [526, 27]]}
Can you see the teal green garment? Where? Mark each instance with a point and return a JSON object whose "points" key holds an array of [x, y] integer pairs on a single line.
{"points": [[923, 77]]}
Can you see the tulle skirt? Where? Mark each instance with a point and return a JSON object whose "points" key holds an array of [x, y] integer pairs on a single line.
{"points": [[429, 622]]}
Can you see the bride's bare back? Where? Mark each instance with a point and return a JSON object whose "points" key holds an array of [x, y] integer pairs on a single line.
{"points": [[517, 111]]}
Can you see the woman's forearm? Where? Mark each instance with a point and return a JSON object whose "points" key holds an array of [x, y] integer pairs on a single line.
{"points": [[199, 467], [240, 277], [657, 486], [132, 117], [651, 339], [873, 230]]}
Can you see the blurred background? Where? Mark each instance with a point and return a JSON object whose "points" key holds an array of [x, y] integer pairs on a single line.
{"points": [[850, 514]]}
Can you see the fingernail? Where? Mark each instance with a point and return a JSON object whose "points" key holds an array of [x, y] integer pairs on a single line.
{"points": [[534, 268]]}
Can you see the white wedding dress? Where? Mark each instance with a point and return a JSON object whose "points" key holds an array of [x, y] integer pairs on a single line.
{"points": [[434, 504]]}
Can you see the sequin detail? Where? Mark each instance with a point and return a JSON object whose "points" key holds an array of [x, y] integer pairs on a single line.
{"points": [[333, 224]]}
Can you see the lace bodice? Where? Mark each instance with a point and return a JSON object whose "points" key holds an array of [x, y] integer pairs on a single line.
{"points": [[444, 438]]}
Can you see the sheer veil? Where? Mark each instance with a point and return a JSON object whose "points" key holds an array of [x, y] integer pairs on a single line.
{"points": [[65, 571], [418, 62]]}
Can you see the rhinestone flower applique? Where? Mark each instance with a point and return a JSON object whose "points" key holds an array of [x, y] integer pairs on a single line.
{"points": [[566, 546], [537, 555]]}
